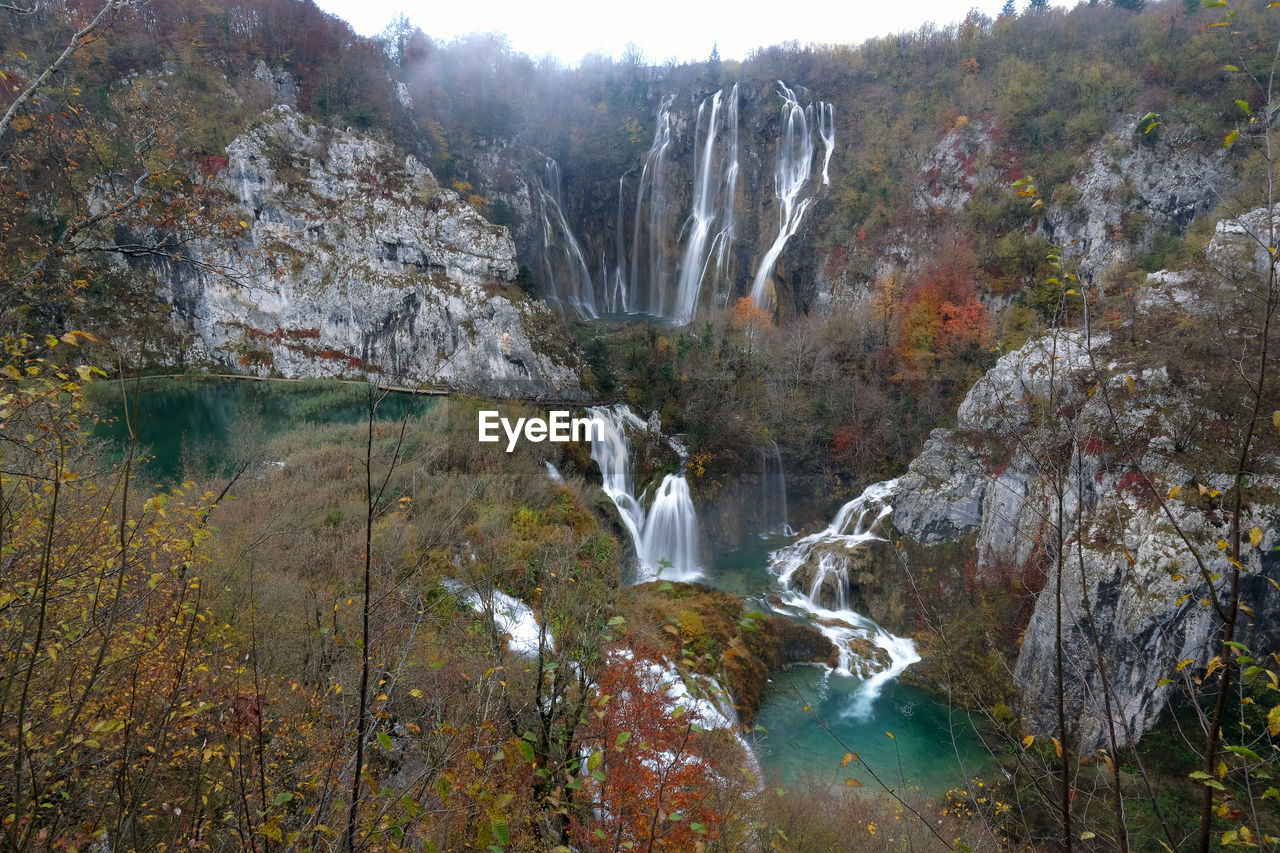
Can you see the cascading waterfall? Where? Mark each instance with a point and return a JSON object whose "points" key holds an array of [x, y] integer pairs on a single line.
{"points": [[715, 181], [854, 524], [612, 452], [790, 177], [676, 261], [659, 284], [617, 297], [827, 130], [773, 485], [671, 532], [648, 266], [665, 536], [566, 269]]}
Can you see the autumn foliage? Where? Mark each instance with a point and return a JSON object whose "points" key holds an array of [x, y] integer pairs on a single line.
{"points": [[650, 771], [941, 317]]}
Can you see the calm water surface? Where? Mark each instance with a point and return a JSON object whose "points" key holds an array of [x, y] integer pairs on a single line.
{"points": [[201, 420]]}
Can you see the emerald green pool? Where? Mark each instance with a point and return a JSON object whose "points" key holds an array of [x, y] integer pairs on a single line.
{"points": [[202, 424]]}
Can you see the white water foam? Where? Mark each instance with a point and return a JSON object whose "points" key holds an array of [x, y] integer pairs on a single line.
{"points": [[847, 629]]}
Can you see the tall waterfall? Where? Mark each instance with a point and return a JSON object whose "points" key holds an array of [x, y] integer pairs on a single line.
{"points": [[794, 167], [854, 524], [826, 130], [660, 284], [715, 182], [648, 267], [617, 296], [666, 535], [563, 263], [681, 254], [773, 486]]}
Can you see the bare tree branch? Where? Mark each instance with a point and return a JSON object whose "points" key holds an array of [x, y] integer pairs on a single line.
{"points": [[77, 40]]}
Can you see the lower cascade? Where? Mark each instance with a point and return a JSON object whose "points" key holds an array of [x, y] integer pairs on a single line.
{"points": [[666, 534], [814, 576]]}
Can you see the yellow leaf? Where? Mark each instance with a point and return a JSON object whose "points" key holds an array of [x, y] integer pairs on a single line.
{"points": [[1214, 666], [1085, 836], [1222, 769], [1183, 664], [1255, 537], [416, 693], [244, 224], [890, 735], [1273, 721], [851, 782], [1174, 492], [1275, 419], [844, 762], [1028, 740], [1057, 746]]}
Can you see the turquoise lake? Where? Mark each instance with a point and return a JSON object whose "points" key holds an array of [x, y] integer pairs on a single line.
{"points": [[200, 421]]}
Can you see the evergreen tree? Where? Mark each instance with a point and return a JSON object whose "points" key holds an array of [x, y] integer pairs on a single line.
{"points": [[1007, 10], [1036, 4]]}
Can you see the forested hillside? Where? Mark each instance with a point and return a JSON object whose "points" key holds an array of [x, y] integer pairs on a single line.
{"points": [[1025, 266]]}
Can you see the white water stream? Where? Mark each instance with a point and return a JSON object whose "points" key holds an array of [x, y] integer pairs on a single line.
{"points": [[793, 170], [847, 629], [563, 263]]}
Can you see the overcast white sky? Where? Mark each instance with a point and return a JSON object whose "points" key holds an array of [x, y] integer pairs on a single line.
{"points": [[684, 29]]}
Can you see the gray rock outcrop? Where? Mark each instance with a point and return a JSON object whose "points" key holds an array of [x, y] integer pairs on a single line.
{"points": [[1130, 189], [343, 256], [1070, 456]]}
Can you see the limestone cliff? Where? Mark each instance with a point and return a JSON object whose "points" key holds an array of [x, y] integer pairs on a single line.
{"points": [[1132, 187], [1101, 458], [344, 256]]}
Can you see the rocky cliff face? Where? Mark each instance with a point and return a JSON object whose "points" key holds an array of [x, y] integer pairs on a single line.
{"points": [[1131, 188], [345, 257], [1091, 464]]}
